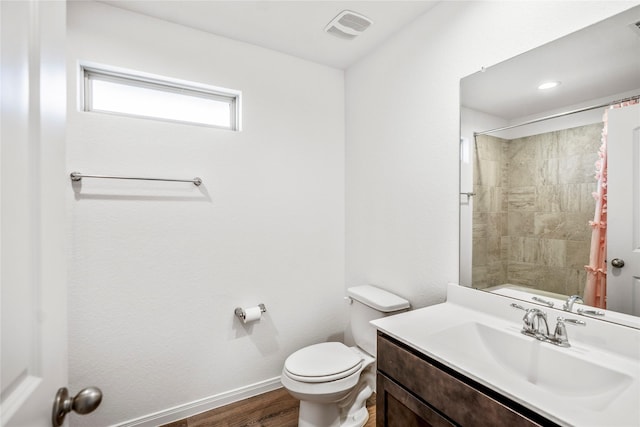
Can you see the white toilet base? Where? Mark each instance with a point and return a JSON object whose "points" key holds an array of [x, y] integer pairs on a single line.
{"points": [[358, 419], [318, 414], [328, 415], [356, 410], [349, 411]]}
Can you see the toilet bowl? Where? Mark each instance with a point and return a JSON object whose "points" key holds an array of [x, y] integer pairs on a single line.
{"points": [[333, 381]]}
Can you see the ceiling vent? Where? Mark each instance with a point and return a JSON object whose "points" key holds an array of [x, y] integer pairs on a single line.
{"points": [[348, 25]]}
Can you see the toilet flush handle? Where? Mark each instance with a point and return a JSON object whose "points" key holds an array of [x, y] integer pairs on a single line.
{"points": [[349, 300]]}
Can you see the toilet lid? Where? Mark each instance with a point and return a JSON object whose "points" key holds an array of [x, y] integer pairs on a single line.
{"points": [[326, 361]]}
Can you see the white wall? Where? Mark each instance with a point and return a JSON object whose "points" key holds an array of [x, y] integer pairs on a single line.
{"points": [[156, 269], [403, 137]]}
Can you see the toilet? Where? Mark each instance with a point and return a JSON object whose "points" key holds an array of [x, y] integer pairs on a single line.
{"points": [[333, 381]]}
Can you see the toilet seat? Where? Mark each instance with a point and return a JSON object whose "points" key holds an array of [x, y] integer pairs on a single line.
{"points": [[322, 362]]}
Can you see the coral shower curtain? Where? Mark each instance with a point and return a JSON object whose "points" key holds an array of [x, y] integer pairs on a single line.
{"points": [[595, 292]]}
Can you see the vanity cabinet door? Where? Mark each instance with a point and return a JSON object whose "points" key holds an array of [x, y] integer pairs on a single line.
{"points": [[395, 407], [454, 397]]}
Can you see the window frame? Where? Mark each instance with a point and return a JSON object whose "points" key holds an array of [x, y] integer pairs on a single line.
{"points": [[89, 72]]}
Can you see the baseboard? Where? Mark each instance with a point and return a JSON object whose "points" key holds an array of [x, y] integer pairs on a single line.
{"points": [[208, 403]]}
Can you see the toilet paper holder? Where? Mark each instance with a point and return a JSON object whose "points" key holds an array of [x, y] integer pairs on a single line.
{"points": [[240, 313]]}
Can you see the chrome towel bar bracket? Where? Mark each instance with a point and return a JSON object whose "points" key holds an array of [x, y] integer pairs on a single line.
{"points": [[77, 176]]}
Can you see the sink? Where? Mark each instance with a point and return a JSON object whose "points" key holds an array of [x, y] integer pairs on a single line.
{"points": [[516, 358], [595, 382]]}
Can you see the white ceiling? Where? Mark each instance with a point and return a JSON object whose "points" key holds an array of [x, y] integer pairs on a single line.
{"points": [[292, 27], [591, 63], [594, 63]]}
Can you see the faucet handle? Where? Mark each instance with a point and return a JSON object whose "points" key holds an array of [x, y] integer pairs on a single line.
{"points": [[568, 305], [560, 336], [543, 301], [573, 321], [527, 315], [533, 321], [590, 312]]}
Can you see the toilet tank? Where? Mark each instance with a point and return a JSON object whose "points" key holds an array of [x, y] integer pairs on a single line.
{"points": [[370, 303]]}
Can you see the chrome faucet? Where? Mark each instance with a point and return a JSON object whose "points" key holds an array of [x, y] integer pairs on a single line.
{"points": [[535, 325], [560, 336], [533, 322], [568, 305]]}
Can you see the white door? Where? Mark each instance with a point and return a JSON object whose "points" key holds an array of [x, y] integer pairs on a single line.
{"points": [[32, 215], [623, 216]]}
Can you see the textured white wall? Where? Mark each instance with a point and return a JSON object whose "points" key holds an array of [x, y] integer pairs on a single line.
{"points": [[156, 269], [402, 134]]}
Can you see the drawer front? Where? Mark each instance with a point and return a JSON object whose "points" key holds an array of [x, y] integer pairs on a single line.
{"points": [[396, 407], [459, 401]]}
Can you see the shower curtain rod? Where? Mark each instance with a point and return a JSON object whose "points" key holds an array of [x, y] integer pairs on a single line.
{"points": [[555, 116]]}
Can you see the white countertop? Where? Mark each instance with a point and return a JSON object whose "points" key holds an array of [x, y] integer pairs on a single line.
{"points": [[595, 382]]}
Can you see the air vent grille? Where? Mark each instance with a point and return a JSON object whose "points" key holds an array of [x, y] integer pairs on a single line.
{"points": [[355, 22], [348, 25]]}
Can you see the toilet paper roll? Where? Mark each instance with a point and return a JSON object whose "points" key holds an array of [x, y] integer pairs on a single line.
{"points": [[252, 314]]}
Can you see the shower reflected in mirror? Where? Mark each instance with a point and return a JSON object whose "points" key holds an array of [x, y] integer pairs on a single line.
{"points": [[528, 160]]}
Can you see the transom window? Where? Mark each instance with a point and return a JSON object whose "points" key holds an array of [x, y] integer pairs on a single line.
{"points": [[127, 94]]}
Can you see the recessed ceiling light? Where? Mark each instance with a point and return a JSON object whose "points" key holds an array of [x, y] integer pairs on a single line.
{"points": [[548, 85]]}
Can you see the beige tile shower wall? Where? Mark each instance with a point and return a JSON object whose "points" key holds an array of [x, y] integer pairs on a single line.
{"points": [[550, 202], [546, 183], [489, 211]]}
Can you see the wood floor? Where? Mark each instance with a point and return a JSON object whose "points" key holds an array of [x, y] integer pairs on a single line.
{"points": [[273, 409]]}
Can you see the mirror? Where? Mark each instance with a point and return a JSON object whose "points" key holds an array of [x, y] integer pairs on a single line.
{"points": [[527, 164]]}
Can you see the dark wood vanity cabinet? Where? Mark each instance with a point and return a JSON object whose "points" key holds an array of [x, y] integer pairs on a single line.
{"points": [[416, 391]]}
